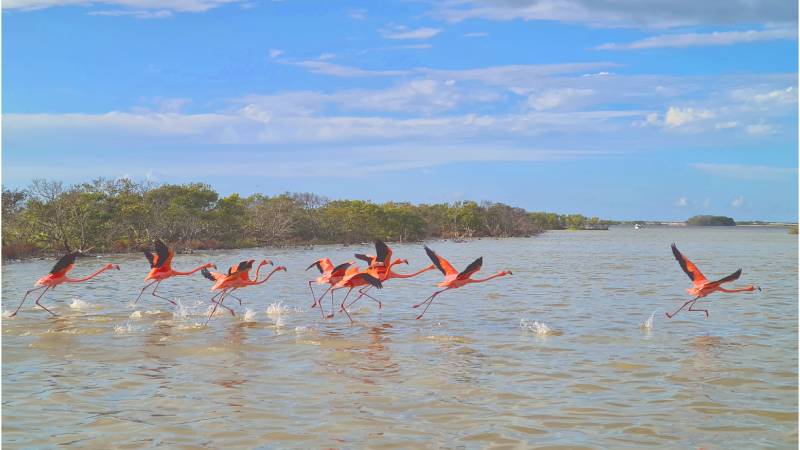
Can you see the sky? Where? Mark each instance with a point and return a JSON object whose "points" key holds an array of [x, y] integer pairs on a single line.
{"points": [[624, 110]]}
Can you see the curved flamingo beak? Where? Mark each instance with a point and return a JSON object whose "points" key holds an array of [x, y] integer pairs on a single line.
{"points": [[116, 266], [510, 272], [214, 266]]}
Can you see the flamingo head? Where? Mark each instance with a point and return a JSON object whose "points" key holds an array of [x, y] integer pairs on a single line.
{"points": [[283, 268], [207, 265], [265, 262], [506, 272], [399, 261], [111, 266]]}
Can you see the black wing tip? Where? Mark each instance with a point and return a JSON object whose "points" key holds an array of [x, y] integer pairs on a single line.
{"points": [[315, 263], [372, 280], [207, 273]]}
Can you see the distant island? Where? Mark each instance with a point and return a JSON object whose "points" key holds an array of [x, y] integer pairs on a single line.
{"points": [[123, 215], [711, 221]]}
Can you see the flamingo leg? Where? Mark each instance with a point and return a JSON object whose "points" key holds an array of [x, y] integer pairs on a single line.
{"points": [[320, 305], [142, 291], [363, 293], [702, 310], [219, 303], [163, 298], [41, 305], [670, 316], [319, 300], [313, 295], [345, 309], [237, 298], [25, 297], [429, 301]]}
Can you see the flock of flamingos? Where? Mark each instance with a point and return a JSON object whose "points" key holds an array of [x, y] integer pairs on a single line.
{"points": [[345, 275]]}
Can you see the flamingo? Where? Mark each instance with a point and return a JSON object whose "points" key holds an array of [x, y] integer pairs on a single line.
{"points": [[386, 273], [160, 268], [453, 279], [58, 275], [237, 277], [330, 275], [701, 286], [353, 279], [384, 255]]}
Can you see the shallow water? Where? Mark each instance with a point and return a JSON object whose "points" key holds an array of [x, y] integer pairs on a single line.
{"points": [[558, 354]]}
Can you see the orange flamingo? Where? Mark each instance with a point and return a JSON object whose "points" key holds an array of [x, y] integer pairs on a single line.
{"points": [[701, 286], [237, 278], [353, 279], [160, 268], [453, 279], [330, 275], [58, 275], [383, 258], [385, 273]]}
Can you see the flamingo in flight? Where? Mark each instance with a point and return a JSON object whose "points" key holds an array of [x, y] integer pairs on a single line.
{"points": [[354, 278], [160, 268], [236, 278], [454, 279], [701, 286], [384, 271], [58, 275], [330, 275]]}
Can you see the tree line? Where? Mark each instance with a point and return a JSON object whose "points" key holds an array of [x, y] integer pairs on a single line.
{"points": [[124, 215]]}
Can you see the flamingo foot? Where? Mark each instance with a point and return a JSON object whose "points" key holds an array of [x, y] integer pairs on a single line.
{"points": [[329, 316], [419, 316]]}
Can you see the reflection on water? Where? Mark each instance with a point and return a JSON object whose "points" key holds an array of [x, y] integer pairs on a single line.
{"points": [[573, 350]]}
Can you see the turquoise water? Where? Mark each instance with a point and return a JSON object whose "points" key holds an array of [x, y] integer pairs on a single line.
{"points": [[554, 355]]}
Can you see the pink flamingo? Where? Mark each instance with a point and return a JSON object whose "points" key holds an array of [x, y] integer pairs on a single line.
{"points": [[330, 275], [386, 273], [452, 278], [160, 268], [58, 275], [701, 286], [355, 278], [237, 278]]}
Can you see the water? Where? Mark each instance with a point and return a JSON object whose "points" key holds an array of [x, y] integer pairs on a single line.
{"points": [[556, 354]]}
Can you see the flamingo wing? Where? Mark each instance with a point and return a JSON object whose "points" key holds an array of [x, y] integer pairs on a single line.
{"points": [[150, 259], [369, 279], [442, 264], [213, 276], [732, 277], [691, 270], [164, 254], [340, 270], [65, 264], [316, 263], [472, 268], [366, 258], [384, 253]]}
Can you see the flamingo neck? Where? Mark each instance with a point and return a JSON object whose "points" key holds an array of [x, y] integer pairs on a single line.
{"points": [[258, 269], [409, 275], [481, 280], [175, 272], [744, 289], [78, 280], [267, 277]]}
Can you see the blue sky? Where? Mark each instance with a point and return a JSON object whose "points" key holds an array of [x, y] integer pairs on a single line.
{"points": [[620, 109]]}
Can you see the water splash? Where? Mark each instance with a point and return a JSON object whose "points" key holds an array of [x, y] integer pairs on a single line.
{"points": [[249, 316], [123, 329], [80, 305], [276, 312], [648, 324], [136, 315], [535, 327]]}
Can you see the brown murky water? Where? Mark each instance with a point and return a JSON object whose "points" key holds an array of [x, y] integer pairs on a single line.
{"points": [[553, 356]]}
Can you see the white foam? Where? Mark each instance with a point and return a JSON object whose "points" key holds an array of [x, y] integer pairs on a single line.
{"points": [[276, 312], [535, 327], [126, 329], [136, 315], [80, 305], [249, 315]]}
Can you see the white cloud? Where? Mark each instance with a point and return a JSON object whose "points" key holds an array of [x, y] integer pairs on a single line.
{"points": [[705, 39], [681, 202], [403, 32], [338, 70], [746, 172], [737, 202], [137, 7], [726, 125], [760, 129], [358, 14], [558, 98], [624, 13], [788, 95], [138, 14], [475, 34], [677, 117], [274, 53]]}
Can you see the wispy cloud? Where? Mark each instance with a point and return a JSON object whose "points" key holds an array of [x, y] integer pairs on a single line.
{"points": [[138, 14], [705, 39], [135, 8], [403, 32], [326, 68], [475, 34], [681, 202], [745, 171], [737, 202], [624, 13]]}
